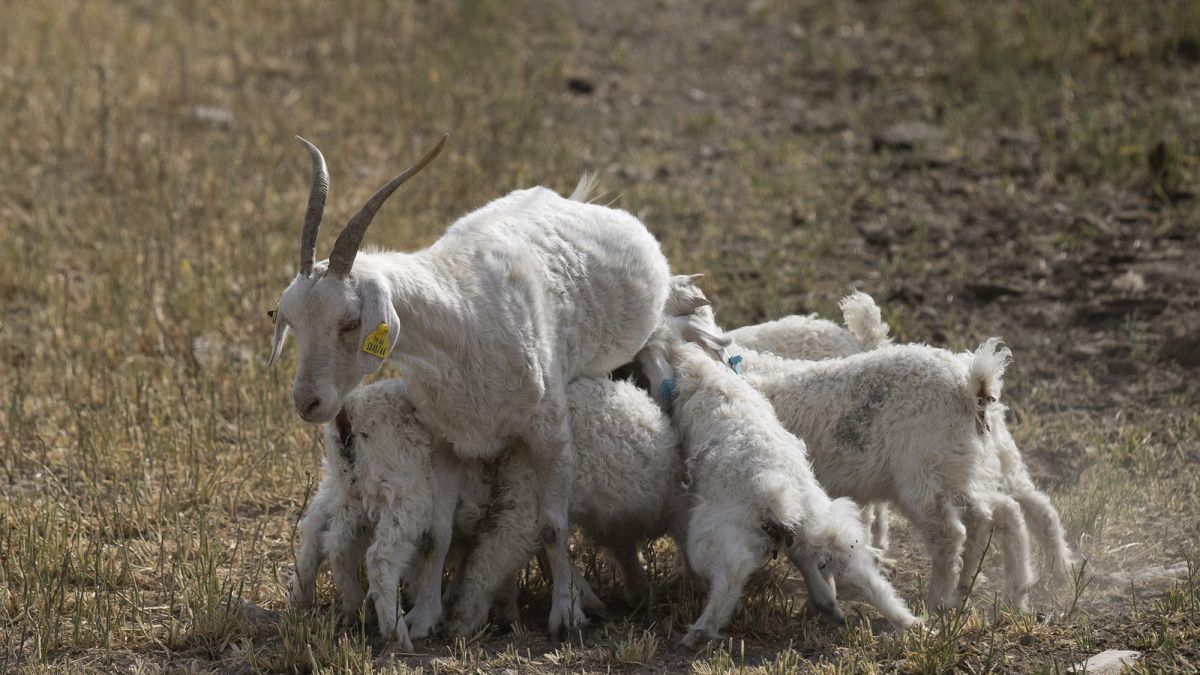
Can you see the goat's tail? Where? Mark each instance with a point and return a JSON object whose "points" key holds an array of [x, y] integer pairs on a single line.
{"points": [[585, 191], [864, 320], [776, 493], [987, 377]]}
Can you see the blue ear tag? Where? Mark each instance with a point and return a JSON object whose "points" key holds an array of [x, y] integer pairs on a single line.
{"points": [[735, 362], [667, 389]]}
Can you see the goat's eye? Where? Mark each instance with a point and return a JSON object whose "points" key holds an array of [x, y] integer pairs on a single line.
{"points": [[349, 326]]}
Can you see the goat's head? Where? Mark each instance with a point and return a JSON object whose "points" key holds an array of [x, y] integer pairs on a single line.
{"points": [[341, 314]]}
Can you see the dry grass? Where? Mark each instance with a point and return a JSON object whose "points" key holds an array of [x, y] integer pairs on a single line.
{"points": [[153, 470]]}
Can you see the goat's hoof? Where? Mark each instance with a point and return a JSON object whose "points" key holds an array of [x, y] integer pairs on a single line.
{"points": [[420, 631], [299, 598], [402, 643], [696, 639], [461, 629], [565, 616]]}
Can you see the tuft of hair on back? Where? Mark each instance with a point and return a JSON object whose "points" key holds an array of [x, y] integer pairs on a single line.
{"points": [[988, 363], [587, 188], [864, 320]]}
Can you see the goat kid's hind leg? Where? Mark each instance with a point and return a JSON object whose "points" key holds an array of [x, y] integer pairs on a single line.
{"points": [[725, 557], [427, 607], [311, 554], [553, 453], [861, 572], [1014, 536], [345, 542], [977, 516], [633, 577], [880, 526], [388, 558], [1044, 522], [591, 602], [944, 534]]}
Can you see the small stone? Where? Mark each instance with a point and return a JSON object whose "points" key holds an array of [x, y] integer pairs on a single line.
{"points": [[1130, 282], [907, 136], [1017, 137], [580, 85], [218, 118], [1109, 662], [876, 233], [1182, 349]]}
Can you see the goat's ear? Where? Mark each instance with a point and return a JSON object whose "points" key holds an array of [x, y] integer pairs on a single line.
{"points": [[380, 327], [281, 331], [703, 333], [684, 296]]}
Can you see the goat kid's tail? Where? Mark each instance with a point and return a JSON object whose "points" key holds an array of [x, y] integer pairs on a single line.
{"points": [[775, 492], [585, 191], [864, 320], [986, 377]]}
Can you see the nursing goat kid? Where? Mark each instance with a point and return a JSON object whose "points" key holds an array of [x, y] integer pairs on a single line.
{"points": [[904, 424], [754, 492], [811, 338], [386, 471], [488, 324]]}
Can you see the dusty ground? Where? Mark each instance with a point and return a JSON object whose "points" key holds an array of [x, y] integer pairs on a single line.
{"points": [[1027, 170]]}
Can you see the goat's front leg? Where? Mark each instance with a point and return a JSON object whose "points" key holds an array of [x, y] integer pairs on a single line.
{"points": [[308, 560], [553, 453], [505, 538], [427, 607]]}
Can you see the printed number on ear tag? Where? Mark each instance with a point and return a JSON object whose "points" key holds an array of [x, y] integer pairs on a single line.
{"points": [[376, 343]]}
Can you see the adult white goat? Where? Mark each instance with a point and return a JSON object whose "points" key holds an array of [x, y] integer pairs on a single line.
{"points": [[513, 302]]}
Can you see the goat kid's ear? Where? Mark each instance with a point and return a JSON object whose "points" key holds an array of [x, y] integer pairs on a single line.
{"points": [[380, 328], [698, 331], [281, 332]]}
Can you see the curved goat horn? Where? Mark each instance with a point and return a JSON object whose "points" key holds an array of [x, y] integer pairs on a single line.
{"points": [[317, 195], [345, 249]]}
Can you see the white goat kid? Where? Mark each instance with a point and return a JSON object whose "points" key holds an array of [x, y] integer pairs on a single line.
{"points": [[811, 338], [754, 492], [386, 471], [376, 497], [516, 300]]}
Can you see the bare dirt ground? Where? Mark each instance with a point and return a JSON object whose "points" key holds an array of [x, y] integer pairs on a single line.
{"points": [[1028, 170]]}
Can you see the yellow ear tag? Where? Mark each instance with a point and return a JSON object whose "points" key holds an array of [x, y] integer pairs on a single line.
{"points": [[273, 313], [376, 343]]}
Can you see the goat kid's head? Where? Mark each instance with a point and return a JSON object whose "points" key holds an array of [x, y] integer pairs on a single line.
{"points": [[342, 315]]}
